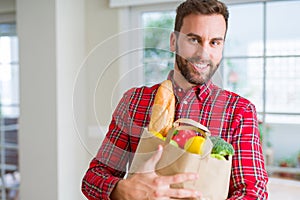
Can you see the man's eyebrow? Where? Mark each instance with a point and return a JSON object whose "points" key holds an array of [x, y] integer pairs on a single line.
{"points": [[193, 35], [199, 37]]}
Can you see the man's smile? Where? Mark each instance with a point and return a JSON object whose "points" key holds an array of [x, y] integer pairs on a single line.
{"points": [[200, 66]]}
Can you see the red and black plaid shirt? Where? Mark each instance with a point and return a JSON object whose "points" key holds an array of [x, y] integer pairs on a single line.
{"points": [[224, 113]]}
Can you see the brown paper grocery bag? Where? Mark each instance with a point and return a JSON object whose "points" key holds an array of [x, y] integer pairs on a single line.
{"points": [[214, 174]]}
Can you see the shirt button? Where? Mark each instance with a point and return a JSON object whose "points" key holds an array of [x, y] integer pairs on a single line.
{"points": [[179, 89], [185, 102]]}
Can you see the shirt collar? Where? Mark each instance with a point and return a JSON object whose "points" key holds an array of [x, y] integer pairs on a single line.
{"points": [[201, 91]]}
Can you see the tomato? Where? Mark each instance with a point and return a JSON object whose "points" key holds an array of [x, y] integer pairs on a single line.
{"points": [[182, 136]]}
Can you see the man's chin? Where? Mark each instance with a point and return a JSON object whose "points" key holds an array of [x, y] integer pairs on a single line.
{"points": [[196, 81]]}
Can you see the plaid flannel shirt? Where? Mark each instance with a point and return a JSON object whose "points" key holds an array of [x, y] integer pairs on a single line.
{"points": [[224, 113]]}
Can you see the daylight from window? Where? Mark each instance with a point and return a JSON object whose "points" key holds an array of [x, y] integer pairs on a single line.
{"points": [[260, 62], [9, 112]]}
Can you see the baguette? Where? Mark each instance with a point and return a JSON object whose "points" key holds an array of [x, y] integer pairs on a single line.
{"points": [[163, 109]]}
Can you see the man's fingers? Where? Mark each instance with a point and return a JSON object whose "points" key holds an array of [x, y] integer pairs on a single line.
{"points": [[164, 183], [178, 193], [150, 164], [178, 178], [159, 186]]}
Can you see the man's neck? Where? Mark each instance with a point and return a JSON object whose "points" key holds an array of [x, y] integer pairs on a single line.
{"points": [[181, 81]]}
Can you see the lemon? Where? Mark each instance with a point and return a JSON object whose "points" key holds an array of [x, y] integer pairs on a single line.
{"points": [[157, 134], [195, 144]]}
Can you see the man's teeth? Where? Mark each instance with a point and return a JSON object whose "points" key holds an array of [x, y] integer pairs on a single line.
{"points": [[200, 66]]}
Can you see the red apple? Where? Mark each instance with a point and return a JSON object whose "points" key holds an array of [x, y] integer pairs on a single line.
{"points": [[182, 136]]}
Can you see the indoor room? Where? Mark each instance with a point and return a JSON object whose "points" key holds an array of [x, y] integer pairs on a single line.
{"points": [[65, 65]]}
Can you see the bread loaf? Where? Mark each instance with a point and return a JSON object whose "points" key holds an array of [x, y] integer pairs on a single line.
{"points": [[163, 109]]}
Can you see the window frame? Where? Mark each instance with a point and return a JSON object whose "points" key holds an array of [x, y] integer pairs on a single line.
{"points": [[137, 40], [7, 125], [136, 22]]}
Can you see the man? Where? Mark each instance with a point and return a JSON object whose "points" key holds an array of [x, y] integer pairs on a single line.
{"points": [[198, 41]]}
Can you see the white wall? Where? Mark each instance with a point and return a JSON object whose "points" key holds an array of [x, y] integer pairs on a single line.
{"points": [[38, 146], [52, 46], [65, 52], [71, 95], [103, 25]]}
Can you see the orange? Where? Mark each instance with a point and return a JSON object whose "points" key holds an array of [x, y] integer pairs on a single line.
{"points": [[195, 144]]}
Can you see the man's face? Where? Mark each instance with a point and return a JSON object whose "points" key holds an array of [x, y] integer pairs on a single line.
{"points": [[199, 46]]}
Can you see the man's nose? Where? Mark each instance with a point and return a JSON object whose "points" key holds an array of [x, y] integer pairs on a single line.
{"points": [[202, 51]]}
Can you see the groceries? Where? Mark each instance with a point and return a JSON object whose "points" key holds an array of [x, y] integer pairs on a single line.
{"points": [[221, 149], [163, 109], [214, 174], [192, 153], [161, 121], [195, 145]]}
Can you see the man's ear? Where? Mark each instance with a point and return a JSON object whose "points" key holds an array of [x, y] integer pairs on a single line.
{"points": [[173, 39]]}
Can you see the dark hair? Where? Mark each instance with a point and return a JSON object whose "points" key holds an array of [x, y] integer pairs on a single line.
{"points": [[204, 7]]}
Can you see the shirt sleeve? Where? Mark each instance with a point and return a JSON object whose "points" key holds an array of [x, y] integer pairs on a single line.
{"points": [[249, 177], [109, 165]]}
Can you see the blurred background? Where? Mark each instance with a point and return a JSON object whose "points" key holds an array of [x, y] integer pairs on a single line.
{"points": [[65, 64]]}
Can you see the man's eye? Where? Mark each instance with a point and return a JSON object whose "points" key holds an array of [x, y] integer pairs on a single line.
{"points": [[216, 43], [193, 40]]}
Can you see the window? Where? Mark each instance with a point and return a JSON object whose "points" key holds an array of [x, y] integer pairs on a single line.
{"points": [[260, 62], [9, 111], [265, 54], [158, 60]]}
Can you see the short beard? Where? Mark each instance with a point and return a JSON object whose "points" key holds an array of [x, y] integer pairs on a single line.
{"points": [[187, 72]]}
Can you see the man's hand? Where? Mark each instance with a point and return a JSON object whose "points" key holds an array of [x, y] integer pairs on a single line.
{"points": [[147, 185]]}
